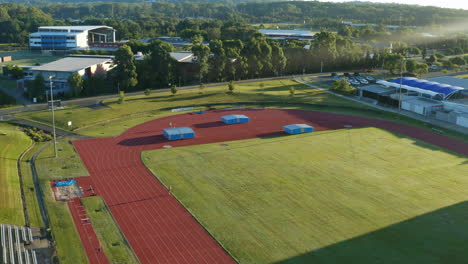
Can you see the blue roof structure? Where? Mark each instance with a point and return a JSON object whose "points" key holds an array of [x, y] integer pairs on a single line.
{"points": [[444, 89], [298, 129], [235, 119], [65, 183], [178, 133]]}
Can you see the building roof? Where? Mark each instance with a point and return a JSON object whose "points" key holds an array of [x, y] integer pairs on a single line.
{"points": [[84, 28], [421, 101], [451, 81], [182, 56], [378, 89], [295, 126], [72, 64], [178, 130], [444, 89], [286, 32]]}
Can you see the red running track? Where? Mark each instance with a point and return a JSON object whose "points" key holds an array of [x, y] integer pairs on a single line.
{"points": [[157, 227]]}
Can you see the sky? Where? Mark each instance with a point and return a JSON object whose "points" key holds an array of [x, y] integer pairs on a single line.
{"points": [[444, 3]]}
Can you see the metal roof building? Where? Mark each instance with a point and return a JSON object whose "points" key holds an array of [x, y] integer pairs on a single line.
{"points": [[444, 89], [451, 81], [70, 37]]}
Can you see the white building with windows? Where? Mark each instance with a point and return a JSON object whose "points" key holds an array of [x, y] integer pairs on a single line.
{"points": [[71, 37]]}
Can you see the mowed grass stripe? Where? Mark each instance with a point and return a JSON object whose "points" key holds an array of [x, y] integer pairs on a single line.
{"points": [[12, 143], [293, 198], [112, 240]]}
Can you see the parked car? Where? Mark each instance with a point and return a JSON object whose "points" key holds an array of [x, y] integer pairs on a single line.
{"points": [[370, 78], [354, 82], [357, 74], [336, 78], [363, 81], [347, 74], [333, 74]]}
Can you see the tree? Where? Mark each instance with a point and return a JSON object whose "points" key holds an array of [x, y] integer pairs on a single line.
{"points": [[201, 53], [38, 87], [411, 65], [431, 59], [393, 63], [125, 71], [278, 59], [458, 61], [424, 53], [147, 92], [14, 71], [218, 60], [76, 83], [421, 68], [158, 68], [231, 87], [173, 89]]}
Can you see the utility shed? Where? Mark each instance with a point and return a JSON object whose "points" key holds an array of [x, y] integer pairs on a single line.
{"points": [[298, 129], [235, 119], [421, 105], [177, 133]]}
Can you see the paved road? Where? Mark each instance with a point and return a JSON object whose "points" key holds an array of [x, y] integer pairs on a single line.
{"points": [[96, 100]]}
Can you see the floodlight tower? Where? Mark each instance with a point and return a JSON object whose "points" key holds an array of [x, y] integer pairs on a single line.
{"points": [[53, 115]]}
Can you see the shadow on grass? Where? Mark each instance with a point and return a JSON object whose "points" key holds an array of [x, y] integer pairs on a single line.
{"points": [[437, 237]]}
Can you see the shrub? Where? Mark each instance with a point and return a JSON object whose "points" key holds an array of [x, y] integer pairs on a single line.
{"points": [[343, 87], [148, 92], [121, 97], [231, 87], [200, 89], [37, 135], [173, 89], [292, 90]]}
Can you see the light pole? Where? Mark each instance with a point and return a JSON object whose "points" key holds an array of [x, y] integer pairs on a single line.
{"points": [[401, 84], [53, 115]]}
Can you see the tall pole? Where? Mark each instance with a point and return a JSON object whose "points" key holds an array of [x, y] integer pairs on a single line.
{"points": [[401, 84], [321, 66], [53, 116]]}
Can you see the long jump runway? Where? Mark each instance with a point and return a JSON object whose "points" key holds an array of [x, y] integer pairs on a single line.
{"points": [[158, 228]]}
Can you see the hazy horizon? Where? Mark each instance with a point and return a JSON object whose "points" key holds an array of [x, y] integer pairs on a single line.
{"points": [[446, 4]]}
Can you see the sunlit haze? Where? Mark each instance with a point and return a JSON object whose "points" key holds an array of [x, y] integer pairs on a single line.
{"points": [[463, 4]]}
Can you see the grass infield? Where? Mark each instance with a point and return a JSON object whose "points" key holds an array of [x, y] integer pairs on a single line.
{"points": [[112, 240], [345, 196]]}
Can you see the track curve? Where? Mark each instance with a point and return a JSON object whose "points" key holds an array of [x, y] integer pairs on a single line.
{"points": [[157, 227]]}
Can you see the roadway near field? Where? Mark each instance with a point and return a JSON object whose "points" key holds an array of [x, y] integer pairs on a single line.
{"points": [[361, 195], [158, 228]]}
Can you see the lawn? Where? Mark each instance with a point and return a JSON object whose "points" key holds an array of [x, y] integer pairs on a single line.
{"points": [[117, 118], [347, 196], [67, 165], [12, 143], [138, 106], [113, 242]]}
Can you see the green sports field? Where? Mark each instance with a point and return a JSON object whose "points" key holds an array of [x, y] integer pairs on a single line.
{"points": [[346, 196], [12, 143]]}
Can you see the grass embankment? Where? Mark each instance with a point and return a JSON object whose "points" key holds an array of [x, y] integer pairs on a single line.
{"points": [[345, 196], [112, 240], [117, 118], [12, 143], [32, 206], [67, 165]]}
